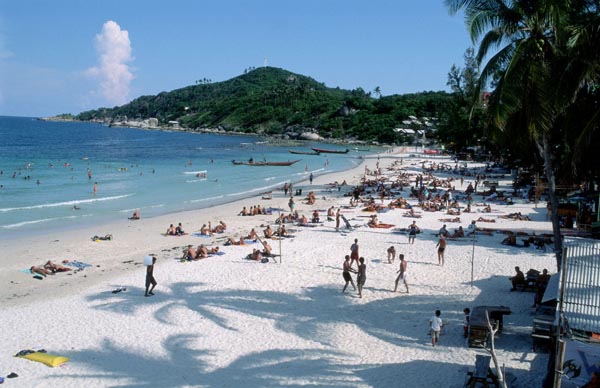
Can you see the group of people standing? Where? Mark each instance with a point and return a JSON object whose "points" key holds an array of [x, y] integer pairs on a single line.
{"points": [[361, 271]]}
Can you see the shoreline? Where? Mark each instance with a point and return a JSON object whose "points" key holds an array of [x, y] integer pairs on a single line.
{"points": [[76, 244], [224, 319]]}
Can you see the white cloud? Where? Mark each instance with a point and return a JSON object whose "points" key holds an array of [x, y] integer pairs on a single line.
{"points": [[113, 72]]}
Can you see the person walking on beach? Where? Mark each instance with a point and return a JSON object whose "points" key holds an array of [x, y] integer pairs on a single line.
{"points": [[338, 216], [150, 278], [347, 268], [310, 178], [435, 325], [413, 229], [291, 204], [361, 277], [354, 252], [401, 273], [441, 246]]}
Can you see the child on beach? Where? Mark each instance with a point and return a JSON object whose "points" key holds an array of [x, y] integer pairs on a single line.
{"points": [[435, 324]]}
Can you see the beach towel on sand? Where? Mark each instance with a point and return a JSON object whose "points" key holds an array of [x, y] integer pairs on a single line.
{"points": [[198, 234], [382, 226], [77, 264]]}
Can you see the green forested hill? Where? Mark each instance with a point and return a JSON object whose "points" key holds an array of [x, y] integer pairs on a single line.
{"points": [[275, 101]]}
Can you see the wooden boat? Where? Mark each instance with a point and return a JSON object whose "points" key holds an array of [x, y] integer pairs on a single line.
{"points": [[304, 152], [330, 151], [253, 163]]}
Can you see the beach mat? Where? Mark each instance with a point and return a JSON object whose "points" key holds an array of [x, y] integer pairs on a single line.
{"points": [[198, 234], [382, 226], [77, 264], [49, 359]]}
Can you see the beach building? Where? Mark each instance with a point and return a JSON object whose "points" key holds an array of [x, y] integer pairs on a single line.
{"points": [[575, 356]]}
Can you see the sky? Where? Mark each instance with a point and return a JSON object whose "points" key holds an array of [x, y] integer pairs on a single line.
{"points": [[68, 56]]}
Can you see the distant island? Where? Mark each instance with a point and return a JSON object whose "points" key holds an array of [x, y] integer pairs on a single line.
{"points": [[276, 102]]}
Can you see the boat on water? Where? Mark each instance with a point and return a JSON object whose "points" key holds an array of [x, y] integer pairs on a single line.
{"points": [[254, 163], [320, 150], [304, 152]]}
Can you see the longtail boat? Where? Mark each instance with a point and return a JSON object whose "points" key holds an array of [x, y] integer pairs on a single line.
{"points": [[331, 151], [253, 163], [303, 152]]}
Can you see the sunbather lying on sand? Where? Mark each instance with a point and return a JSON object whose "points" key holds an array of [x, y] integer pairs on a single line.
{"points": [[40, 270], [231, 241], [481, 219], [455, 219], [256, 255], [55, 267]]}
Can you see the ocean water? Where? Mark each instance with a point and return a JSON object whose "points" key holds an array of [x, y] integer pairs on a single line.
{"points": [[48, 168]]}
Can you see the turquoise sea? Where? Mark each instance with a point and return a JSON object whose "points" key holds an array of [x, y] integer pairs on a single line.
{"points": [[49, 168]]}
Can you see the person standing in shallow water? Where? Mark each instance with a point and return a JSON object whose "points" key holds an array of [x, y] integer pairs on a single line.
{"points": [[361, 278], [150, 278], [346, 273]]}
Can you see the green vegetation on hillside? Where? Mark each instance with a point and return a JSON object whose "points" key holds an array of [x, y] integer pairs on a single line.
{"points": [[274, 101]]}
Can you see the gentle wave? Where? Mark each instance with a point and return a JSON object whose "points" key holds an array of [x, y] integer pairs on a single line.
{"points": [[206, 199], [195, 180], [67, 203], [12, 226], [270, 178], [195, 172], [264, 188]]}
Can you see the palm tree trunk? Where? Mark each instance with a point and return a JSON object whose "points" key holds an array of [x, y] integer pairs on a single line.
{"points": [[546, 153]]}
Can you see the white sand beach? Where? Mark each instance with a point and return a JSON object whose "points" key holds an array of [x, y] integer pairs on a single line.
{"points": [[229, 322]]}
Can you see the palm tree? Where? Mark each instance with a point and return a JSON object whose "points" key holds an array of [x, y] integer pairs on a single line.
{"points": [[377, 91], [527, 43]]}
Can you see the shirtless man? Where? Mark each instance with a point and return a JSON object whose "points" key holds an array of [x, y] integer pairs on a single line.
{"points": [[315, 217], [201, 252], [330, 214], [268, 232], [220, 228], [282, 231], [401, 273], [303, 220], [413, 229], [190, 253], [171, 231], [266, 247], [338, 216], [252, 235], [347, 268], [441, 246], [204, 230]]}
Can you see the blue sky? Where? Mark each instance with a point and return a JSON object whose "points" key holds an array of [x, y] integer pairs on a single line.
{"points": [[69, 56]]}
